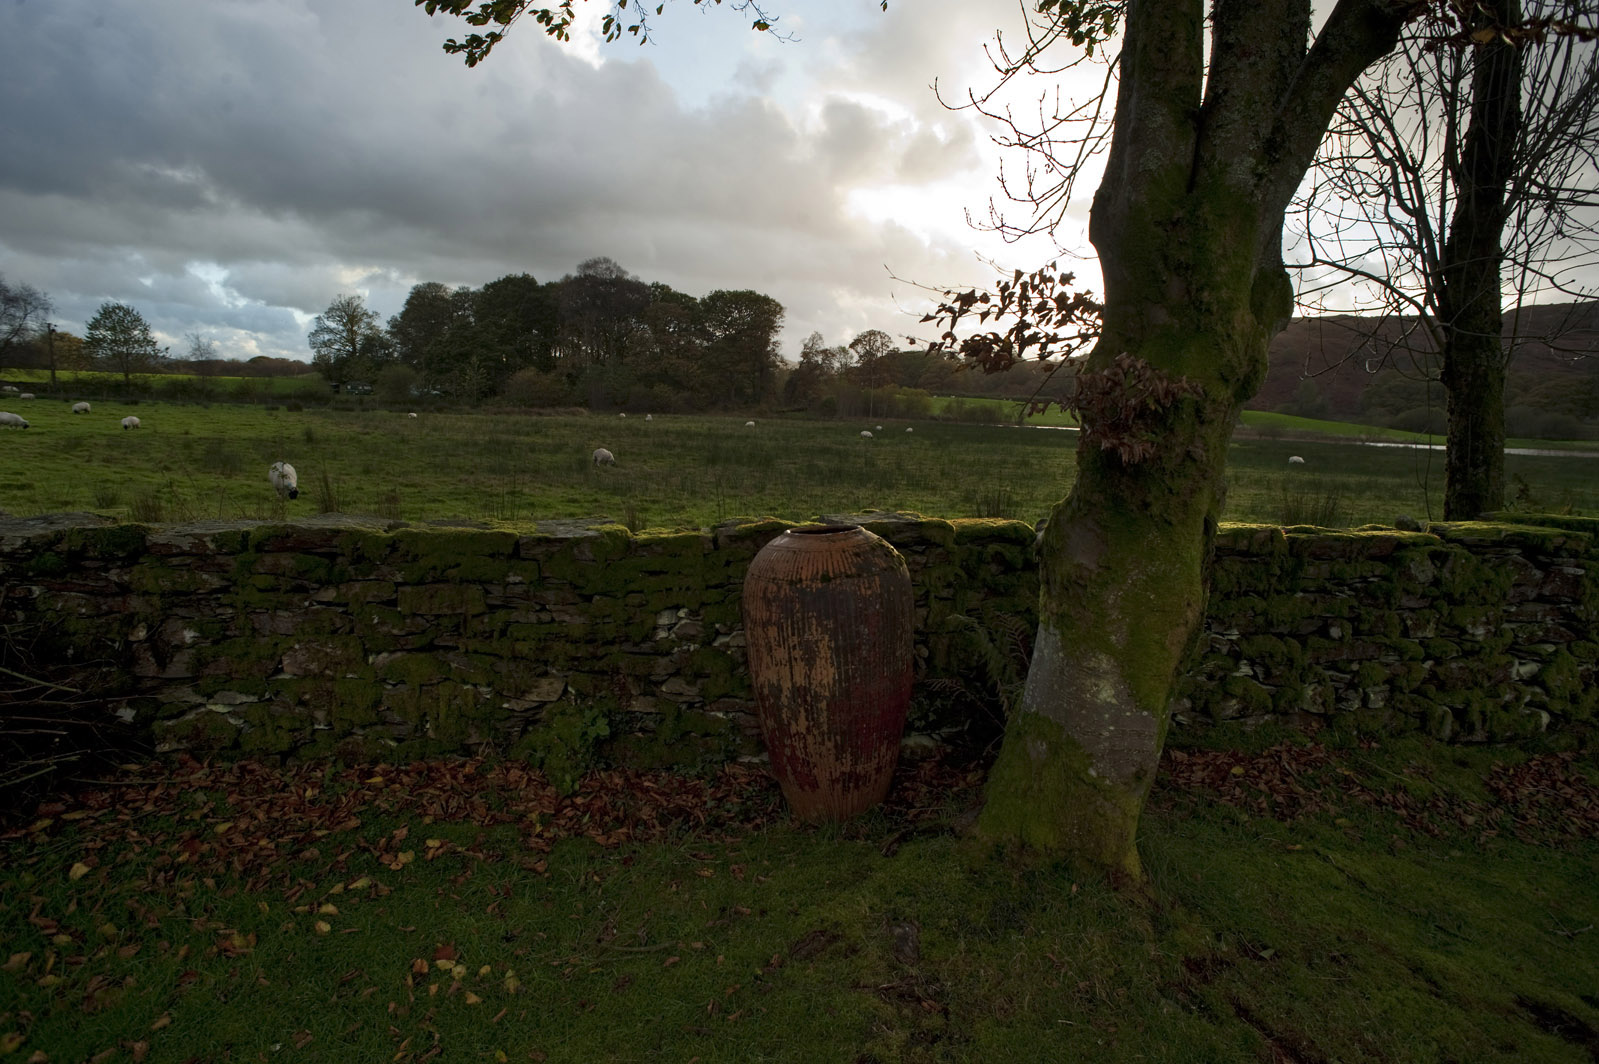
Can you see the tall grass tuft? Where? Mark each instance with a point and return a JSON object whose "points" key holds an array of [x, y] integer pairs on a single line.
{"points": [[389, 505], [1314, 502], [327, 494], [995, 503]]}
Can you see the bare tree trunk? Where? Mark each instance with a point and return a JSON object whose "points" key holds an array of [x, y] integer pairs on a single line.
{"points": [[1469, 298], [1188, 224]]}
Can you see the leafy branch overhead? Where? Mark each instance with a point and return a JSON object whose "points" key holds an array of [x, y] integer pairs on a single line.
{"points": [[625, 16], [1052, 320]]}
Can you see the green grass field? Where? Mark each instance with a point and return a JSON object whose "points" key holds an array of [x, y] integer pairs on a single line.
{"points": [[1308, 903], [192, 462]]}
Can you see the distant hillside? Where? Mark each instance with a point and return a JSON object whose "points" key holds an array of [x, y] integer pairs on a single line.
{"points": [[1352, 368]]}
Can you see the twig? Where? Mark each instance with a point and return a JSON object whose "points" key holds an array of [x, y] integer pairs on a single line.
{"points": [[39, 682]]}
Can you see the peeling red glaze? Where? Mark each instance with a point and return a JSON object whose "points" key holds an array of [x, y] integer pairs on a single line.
{"points": [[828, 617]]}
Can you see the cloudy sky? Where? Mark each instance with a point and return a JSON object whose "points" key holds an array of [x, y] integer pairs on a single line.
{"points": [[230, 167]]}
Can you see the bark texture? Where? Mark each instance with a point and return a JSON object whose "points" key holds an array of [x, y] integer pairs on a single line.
{"points": [[1187, 223], [1469, 293]]}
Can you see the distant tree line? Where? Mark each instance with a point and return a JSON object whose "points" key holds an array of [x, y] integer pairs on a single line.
{"points": [[598, 337]]}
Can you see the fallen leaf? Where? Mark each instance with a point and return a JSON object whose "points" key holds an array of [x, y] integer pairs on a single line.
{"points": [[161, 1021], [78, 871], [323, 927], [473, 999], [670, 961], [11, 1041], [327, 908], [17, 962]]}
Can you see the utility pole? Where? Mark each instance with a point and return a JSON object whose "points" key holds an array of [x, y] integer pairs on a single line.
{"points": [[50, 340]]}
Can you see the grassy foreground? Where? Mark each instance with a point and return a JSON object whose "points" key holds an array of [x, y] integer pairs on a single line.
{"points": [[191, 462], [1311, 902]]}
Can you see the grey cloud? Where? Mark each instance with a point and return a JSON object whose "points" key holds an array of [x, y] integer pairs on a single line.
{"points": [[311, 149]]}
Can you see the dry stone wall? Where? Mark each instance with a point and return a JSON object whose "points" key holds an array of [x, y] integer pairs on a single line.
{"points": [[359, 638]]}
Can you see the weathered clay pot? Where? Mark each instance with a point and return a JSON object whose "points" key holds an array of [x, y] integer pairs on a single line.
{"points": [[828, 619]]}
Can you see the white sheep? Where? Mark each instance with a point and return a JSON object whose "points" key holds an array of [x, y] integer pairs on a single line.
{"points": [[910, 430], [866, 434], [1294, 459], [130, 422], [879, 428], [649, 417], [603, 457], [9, 389], [622, 416], [411, 415], [25, 395], [80, 408], [285, 481], [10, 420], [749, 424]]}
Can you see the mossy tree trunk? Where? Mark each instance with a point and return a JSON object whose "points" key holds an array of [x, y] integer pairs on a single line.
{"points": [[1469, 290], [1187, 223]]}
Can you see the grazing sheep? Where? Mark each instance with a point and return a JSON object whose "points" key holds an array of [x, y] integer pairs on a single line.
{"points": [[80, 408], [603, 457], [910, 430], [879, 428], [410, 415], [9, 389], [649, 417], [130, 422], [285, 481], [622, 416], [749, 424], [866, 434], [10, 420], [1294, 459], [25, 395]]}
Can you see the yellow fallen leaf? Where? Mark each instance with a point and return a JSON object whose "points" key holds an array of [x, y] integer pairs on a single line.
{"points": [[163, 1020], [327, 908], [434, 844], [62, 939], [222, 828], [458, 972], [485, 970], [361, 884], [443, 964], [76, 814], [499, 1055], [41, 824], [109, 930], [39, 1057], [406, 857], [17, 962], [512, 983], [10, 1041], [323, 927], [49, 980], [337, 888], [1238, 770], [77, 871], [473, 999]]}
